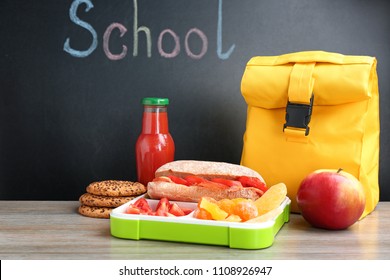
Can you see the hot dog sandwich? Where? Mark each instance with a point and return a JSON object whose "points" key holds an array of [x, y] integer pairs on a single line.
{"points": [[190, 180]]}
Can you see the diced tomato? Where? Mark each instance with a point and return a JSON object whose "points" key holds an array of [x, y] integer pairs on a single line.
{"points": [[143, 206], [163, 204], [163, 207], [176, 210], [186, 210], [178, 180], [161, 213], [131, 209], [194, 180], [229, 183], [253, 182]]}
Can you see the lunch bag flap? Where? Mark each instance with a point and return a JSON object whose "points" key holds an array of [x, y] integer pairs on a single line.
{"points": [[338, 78]]}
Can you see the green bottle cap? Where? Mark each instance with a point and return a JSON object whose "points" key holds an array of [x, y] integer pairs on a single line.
{"points": [[155, 101]]}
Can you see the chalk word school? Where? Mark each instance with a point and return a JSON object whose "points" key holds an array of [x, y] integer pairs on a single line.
{"points": [[147, 32]]}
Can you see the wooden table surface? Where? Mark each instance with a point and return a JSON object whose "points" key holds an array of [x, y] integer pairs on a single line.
{"points": [[54, 230]]}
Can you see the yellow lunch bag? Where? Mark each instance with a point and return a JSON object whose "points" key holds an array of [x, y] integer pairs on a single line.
{"points": [[312, 110]]}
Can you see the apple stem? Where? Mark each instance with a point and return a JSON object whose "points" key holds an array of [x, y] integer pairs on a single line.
{"points": [[340, 169]]}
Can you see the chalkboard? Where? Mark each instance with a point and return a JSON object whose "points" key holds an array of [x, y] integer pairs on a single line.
{"points": [[73, 74]]}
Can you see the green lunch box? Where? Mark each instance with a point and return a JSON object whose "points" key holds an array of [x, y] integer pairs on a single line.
{"points": [[189, 229]]}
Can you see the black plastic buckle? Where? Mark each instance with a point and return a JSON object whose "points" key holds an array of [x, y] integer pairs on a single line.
{"points": [[299, 115]]}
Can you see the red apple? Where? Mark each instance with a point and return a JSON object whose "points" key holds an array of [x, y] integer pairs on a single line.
{"points": [[331, 199]]}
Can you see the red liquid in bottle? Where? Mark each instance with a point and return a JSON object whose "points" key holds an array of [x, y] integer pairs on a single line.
{"points": [[155, 145]]}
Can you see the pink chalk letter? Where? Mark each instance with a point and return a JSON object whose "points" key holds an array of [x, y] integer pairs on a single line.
{"points": [[106, 41], [175, 51], [203, 37]]}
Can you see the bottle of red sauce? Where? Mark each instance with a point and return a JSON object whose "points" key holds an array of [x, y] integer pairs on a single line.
{"points": [[155, 145]]}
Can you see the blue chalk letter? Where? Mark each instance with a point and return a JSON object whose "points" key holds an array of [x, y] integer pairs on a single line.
{"points": [[76, 20], [227, 54]]}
